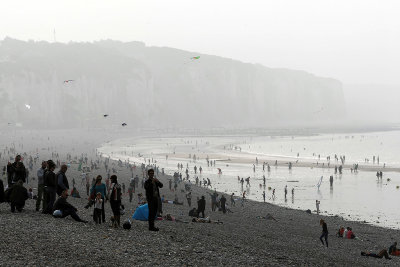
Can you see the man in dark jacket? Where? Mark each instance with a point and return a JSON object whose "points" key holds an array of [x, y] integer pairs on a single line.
{"points": [[2, 197], [201, 206], [66, 209], [50, 184], [223, 202], [18, 196], [62, 181], [152, 195], [16, 171]]}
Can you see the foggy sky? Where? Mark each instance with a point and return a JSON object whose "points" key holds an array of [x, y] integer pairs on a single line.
{"points": [[353, 41]]}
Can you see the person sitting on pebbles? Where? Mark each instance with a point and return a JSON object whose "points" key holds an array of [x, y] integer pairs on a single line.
{"points": [[65, 208]]}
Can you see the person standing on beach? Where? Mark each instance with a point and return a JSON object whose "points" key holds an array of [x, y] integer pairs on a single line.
{"points": [[50, 184], [115, 199], [40, 195], [264, 196], [317, 202], [152, 186], [201, 206], [232, 200], [101, 188], [324, 232], [62, 181], [189, 198], [223, 202]]}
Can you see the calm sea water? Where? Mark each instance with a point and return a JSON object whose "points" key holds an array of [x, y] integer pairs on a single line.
{"points": [[356, 196]]}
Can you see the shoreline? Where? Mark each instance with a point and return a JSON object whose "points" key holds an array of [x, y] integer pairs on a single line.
{"points": [[242, 239]]}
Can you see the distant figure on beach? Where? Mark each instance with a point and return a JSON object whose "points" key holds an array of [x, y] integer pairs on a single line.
{"points": [[152, 186], [222, 202], [232, 200], [380, 255], [317, 202], [285, 191], [263, 196], [40, 194], [331, 180], [324, 232], [201, 206], [273, 193], [50, 185]]}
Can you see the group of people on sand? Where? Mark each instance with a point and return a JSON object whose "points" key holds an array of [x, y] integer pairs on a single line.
{"points": [[347, 233], [51, 185]]}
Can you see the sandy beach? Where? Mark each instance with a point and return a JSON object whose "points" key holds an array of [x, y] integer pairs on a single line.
{"points": [[244, 239]]}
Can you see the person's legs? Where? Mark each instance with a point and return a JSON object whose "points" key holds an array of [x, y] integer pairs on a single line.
{"points": [[20, 207], [52, 198], [72, 213], [152, 213], [103, 213], [383, 253], [39, 197], [326, 239], [320, 238]]}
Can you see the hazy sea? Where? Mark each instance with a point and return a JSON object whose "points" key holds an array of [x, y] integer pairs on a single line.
{"points": [[354, 196]]}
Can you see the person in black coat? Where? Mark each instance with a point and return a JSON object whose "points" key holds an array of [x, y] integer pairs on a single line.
{"points": [[16, 171], [50, 184], [152, 186], [18, 196], [2, 197], [201, 206]]}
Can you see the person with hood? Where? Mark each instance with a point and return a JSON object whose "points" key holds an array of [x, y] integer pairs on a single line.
{"points": [[16, 171], [152, 186], [18, 196]]}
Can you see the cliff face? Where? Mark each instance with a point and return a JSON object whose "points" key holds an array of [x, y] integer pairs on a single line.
{"points": [[152, 86]]}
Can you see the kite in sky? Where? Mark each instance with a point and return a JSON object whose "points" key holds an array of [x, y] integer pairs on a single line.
{"points": [[27, 106], [105, 115], [68, 81], [124, 124], [194, 58]]}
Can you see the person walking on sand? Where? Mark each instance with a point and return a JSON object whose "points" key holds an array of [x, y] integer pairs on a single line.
{"points": [[324, 232], [263, 196], [232, 200], [152, 186]]}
